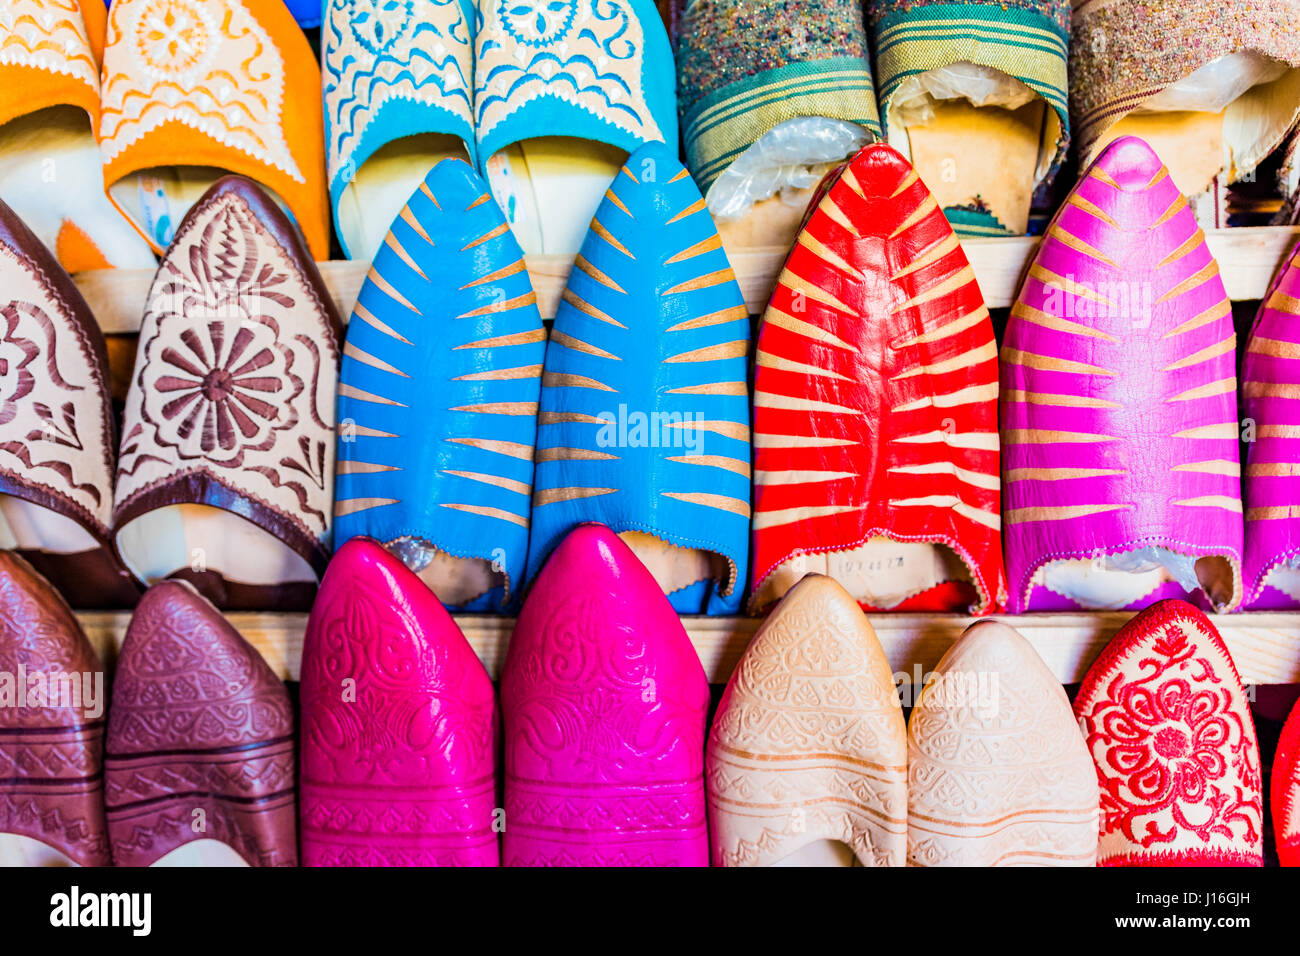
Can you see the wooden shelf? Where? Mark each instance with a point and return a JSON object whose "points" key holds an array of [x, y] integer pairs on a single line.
{"points": [[1265, 645], [1247, 258]]}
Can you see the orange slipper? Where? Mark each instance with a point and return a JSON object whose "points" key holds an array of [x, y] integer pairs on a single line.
{"points": [[195, 89], [50, 172]]}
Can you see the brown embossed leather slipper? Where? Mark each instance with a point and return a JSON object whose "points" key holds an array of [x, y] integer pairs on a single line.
{"points": [[51, 728], [56, 426], [200, 768], [226, 476]]}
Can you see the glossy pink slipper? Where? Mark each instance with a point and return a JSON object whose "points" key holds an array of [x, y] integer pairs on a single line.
{"points": [[605, 702], [398, 724]]}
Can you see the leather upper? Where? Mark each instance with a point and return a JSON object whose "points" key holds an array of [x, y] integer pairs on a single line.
{"points": [[875, 391], [1119, 392], [440, 382], [644, 419]]}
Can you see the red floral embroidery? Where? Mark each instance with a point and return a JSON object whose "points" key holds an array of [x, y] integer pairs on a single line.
{"points": [[1174, 754]]}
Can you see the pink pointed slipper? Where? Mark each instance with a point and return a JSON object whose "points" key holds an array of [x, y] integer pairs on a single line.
{"points": [[199, 769], [604, 701], [1270, 390], [1118, 404], [51, 755], [398, 724], [1169, 727]]}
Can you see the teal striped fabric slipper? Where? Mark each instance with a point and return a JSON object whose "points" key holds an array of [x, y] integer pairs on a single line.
{"points": [[747, 66], [644, 418], [437, 409], [975, 95]]}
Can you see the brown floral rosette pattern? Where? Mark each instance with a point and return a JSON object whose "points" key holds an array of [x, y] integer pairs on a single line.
{"points": [[232, 402]]}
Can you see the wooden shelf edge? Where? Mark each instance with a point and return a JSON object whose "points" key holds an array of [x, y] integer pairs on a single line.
{"points": [[1247, 258], [1265, 645]]}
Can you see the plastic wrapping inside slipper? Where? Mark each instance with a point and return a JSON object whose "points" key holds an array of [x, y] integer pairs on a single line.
{"points": [[1216, 85], [791, 157]]}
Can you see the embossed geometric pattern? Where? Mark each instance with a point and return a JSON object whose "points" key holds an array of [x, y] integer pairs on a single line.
{"points": [[51, 754], [588, 54], [998, 774], [206, 63], [604, 701], [200, 738], [808, 742], [393, 56], [234, 386], [48, 35], [56, 427], [398, 724]]}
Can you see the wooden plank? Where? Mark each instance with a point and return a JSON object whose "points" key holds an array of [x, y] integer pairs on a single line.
{"points": [[1265, 645], [1247, 258]]}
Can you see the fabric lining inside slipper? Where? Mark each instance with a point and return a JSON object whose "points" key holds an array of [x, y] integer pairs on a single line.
{"points": [[881, 573], [455, 581], [676, 567], [18, 850], [161, 542], [1098, 588], [821, 853], [25, 526], [383, 185], [982, 162], [157, 199], [55, 149], [1202, 131], [549, 189]]}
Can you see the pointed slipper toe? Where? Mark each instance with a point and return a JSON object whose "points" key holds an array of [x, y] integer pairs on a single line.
{"points": [[1284, 792], [1169, 727], [998, 774], [57, 438], [1119, 404], [1270, 389], [604, 701], [644, 419], [51, 745], [438, 396], [875, 405], [398, 725], [226, 471], [200, 766], [807, 758]]}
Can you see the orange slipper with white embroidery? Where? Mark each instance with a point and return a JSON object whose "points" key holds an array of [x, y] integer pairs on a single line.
{"points": [[50, 171], [196, 89]]}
